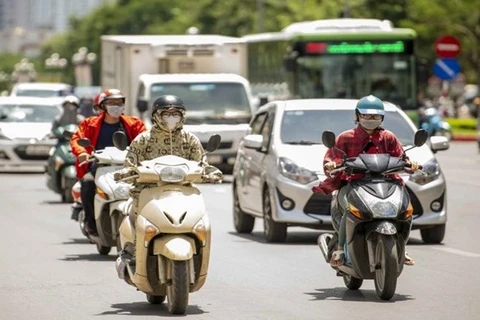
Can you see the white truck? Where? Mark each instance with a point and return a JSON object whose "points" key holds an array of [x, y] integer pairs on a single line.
{"points": [[206, 71]]}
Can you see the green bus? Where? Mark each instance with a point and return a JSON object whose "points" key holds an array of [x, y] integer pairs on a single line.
{"points": [[335, 58]]}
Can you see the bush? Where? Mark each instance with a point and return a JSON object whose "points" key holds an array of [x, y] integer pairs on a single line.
{"points": [[462, 124]]}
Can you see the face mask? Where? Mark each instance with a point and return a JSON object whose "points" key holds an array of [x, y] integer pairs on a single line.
{"points": [[370, 124], [171, 121], [115, 111]]}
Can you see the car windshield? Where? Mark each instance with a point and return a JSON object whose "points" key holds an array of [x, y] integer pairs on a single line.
{"points": [[41, 93], [28, 113], [209, 102], [307, 126]]}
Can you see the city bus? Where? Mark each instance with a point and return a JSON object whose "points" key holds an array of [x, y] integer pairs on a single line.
{"points": [[335, 58]]}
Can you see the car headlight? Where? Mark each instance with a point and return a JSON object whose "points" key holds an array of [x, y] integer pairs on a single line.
{"points": [[173, 174], [122, 190], [290, 170], [430, 172]]}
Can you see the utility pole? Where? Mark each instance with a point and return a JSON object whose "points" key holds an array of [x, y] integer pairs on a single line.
{"points": [[260, 16]]}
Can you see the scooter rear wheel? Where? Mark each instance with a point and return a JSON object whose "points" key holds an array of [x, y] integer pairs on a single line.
{"points": [[352, 283], [103, 250], [155, 299]]}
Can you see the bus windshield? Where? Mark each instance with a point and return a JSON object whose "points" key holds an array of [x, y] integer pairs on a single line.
{"points": [[389, 77], [220, 103]]}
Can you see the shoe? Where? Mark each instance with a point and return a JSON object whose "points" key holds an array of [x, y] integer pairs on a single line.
{"points": [[408, 260], [338, 258]]}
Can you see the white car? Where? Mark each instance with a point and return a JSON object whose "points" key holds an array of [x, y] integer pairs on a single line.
{"points": [[41, 89], [25, 123], [281, 159]]}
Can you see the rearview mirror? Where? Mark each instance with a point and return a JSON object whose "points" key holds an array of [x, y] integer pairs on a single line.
{"points": [[84, 142], [328, 139], [120, 140], [213, 143], [439, 143], [253, 141], [142, 106], [420, 138]]}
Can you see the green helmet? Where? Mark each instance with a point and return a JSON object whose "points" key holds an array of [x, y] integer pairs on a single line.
{"points": [[370, 105]]}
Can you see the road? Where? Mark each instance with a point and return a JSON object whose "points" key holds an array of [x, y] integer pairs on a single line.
{"points": [[49, 271]]}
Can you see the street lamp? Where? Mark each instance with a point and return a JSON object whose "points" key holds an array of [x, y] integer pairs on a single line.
{"points": [[24, 71], [55, 63], [83, 61]]}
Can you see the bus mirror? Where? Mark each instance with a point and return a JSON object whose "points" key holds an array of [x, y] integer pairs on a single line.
{"points": [[142, 106]]}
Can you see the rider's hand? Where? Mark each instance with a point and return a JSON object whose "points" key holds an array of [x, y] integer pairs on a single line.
{"points": [[329, 166], [83, 157], [414, 165]]}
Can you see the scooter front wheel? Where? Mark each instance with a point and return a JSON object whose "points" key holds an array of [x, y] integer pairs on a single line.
{"points": [[178, 290], [386, 260]]}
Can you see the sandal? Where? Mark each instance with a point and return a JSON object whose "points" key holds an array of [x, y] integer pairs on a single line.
{"points": [[408, 260], [338, 257]]}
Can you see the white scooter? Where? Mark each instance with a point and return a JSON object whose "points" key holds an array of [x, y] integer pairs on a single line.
{"points": [[172, 229], [110, 197]]}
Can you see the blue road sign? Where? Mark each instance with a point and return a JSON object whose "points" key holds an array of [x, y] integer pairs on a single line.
{"points": [[446, 68]]}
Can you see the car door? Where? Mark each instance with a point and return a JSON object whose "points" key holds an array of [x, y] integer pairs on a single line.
{"points": [[245, 164], [258, 163]]}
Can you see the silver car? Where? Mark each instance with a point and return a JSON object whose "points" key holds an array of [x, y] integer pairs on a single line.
{"points": [[25, 123], [281, 159]]}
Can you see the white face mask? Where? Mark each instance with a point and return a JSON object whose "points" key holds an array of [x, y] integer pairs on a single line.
{"points": [[171, 121], [370, 124], [115, 111]]}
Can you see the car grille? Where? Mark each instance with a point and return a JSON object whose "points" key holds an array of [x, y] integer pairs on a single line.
{"points": [[318, 204], [417, 207], [223, 145], [22, 154]]}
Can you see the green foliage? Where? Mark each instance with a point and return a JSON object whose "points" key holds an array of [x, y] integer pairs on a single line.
{"points": [[430, 18], [462, 124]]}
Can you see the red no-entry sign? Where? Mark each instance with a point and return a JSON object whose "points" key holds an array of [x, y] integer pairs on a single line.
{"points": [[447, 47]]}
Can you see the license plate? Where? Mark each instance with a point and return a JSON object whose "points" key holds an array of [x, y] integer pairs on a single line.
{"points": [[34, 150], [214, 159]]}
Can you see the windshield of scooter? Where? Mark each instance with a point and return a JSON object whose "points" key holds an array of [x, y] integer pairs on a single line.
{"points": [[374, 163]]}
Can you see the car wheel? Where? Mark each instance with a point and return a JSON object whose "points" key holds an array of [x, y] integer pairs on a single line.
{"points": [[243, 222], [433, 235], [273, 231]]}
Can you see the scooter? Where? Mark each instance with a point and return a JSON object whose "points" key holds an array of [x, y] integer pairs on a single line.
{"points": [[434, 123], [379, 219], [172, 229], [60, 169], [110, 197]]}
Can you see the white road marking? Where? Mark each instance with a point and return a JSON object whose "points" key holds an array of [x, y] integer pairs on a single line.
{"points": [[459, 252]]}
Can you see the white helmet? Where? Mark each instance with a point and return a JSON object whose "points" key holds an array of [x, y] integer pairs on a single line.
{"points": [[72, 100]]}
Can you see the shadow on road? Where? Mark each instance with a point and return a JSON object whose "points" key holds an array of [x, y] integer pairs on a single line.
{"points": [[147, 309], [77, 241], [53, 202], [293, 238], [354, 295], [90, 257], [419, 242]]}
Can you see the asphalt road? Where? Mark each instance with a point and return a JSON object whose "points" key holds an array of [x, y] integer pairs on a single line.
{"points": [[49, 271]]}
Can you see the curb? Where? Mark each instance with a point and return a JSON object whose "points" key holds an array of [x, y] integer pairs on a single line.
{"points": [[464, 138]]}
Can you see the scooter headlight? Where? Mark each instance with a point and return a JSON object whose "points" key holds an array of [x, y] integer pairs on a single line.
{"points": [[173, 174], [384, 209], [122, 190]]}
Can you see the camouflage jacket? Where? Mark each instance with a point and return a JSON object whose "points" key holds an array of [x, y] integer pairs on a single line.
{"points": [[157, 142]]}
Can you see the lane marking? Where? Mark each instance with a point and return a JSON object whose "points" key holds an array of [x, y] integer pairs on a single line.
{"points": [[459, 252]]}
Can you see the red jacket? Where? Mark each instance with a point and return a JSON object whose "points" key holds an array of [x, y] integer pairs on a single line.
{"points": [[90, 128]]}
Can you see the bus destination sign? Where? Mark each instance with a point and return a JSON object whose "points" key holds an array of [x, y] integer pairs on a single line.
{"points": [[363, 47]]}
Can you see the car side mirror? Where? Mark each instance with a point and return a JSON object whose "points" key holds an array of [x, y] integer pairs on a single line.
{"points": [[439, 143], [213, 143], [420, 138], [84, 142], [328, 139], [253, 141], [67, 134], [120, 140], [142, 106]]}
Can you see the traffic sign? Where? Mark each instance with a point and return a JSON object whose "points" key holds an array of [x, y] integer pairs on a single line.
{"points": [[447, 47], [446, 68]]}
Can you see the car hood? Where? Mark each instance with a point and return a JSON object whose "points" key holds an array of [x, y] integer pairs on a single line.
{"points": [[311, 157], [25, 130]]}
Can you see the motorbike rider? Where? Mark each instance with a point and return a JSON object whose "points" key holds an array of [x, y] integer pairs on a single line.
{"points": [[368, 137], [99, 129], [69, 115], [166, 137]]}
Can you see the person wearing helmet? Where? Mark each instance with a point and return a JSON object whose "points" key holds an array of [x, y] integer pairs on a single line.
{"points": [[99, 129], [69, 114], [367, 137], [166, 137]]}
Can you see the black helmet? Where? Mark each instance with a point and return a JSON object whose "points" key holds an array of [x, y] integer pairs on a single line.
{"points": [[166, 102]]}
